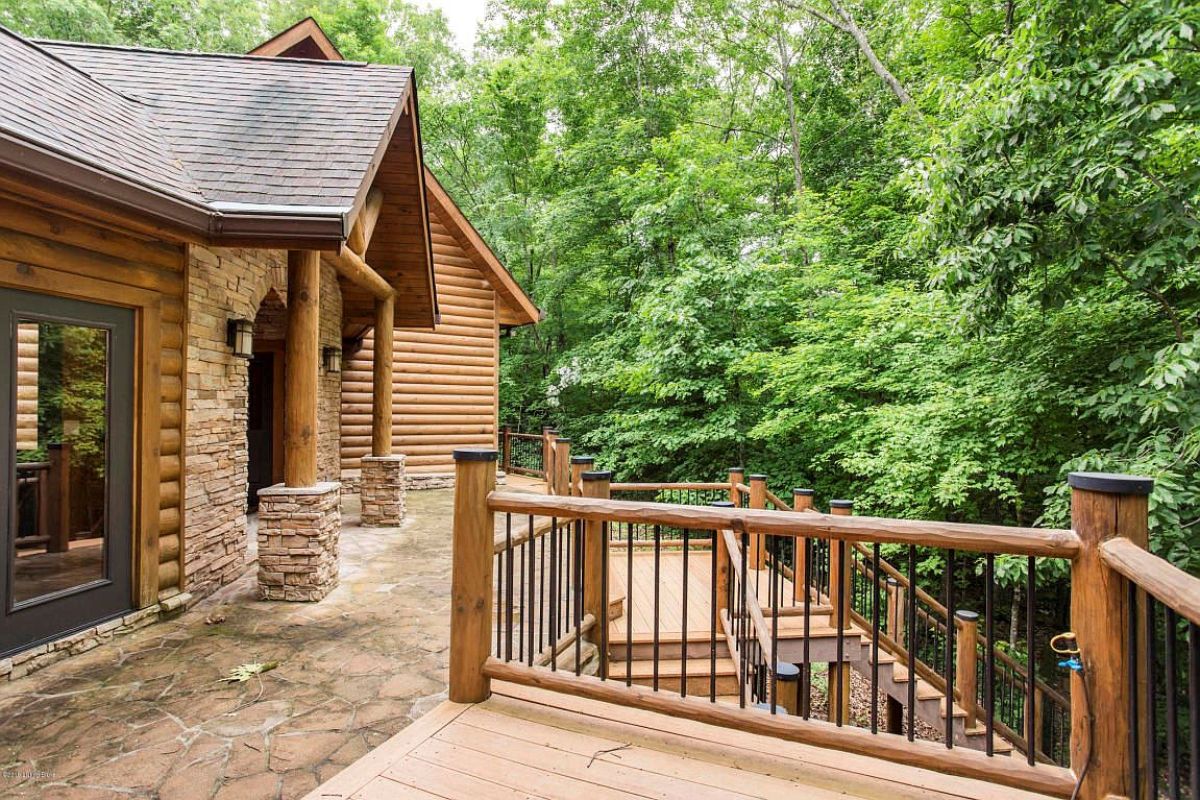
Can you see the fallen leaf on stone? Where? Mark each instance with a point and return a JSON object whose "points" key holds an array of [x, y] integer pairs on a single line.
{"points": [[244, 672]]}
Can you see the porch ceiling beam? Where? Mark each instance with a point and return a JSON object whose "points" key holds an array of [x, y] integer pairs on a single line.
{"points": [[351, 266], [364, 226]]}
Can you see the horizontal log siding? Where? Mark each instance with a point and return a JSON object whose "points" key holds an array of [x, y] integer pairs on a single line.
{"points": [[444, 388], [37, 236]]}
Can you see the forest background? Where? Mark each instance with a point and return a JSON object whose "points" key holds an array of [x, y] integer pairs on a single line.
{"points": [[929, 255]]}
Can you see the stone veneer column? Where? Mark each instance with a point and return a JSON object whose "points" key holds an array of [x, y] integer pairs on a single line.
{"points": [[382, 491], [298, 532]]}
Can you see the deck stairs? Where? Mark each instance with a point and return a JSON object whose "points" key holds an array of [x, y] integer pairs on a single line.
{"points": [[636, 658]]}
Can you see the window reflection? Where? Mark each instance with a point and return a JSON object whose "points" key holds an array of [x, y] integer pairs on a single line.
{"points": [[61, 450]]}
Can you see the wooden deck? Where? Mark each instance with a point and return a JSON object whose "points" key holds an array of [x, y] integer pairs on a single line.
{"points": [[530, 743], [640, 602]]}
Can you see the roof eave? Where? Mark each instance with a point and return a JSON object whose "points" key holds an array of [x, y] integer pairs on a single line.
{"points": [[232, 225]]}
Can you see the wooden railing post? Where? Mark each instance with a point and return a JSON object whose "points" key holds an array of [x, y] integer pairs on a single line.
{"points": [[737, 475], [894, 716], [722, 563], [966, 663], [802, 500], [1103, 506], [580, 465], [758, 500], [58, 496], [548, 437], [839, 576], [506, 448], [471, 574], [562, 466], [595, 550]]}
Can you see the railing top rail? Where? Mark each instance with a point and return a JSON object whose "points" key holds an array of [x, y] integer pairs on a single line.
{"points": [[1168, 583], [517, 435], [946, 535], [662, 487]]}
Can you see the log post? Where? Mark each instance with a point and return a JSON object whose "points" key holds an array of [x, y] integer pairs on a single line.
{"points": [[1103, 506], [966, 663], [758, 500], [595, 551], [506, 448], [737, 475], [722, 564], [301, 369], [562, 467], [548, 437], [381, 377], [839, 576], [471, 574], [580, 465]]}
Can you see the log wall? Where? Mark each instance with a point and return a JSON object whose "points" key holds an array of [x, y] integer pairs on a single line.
{"points": [[64, 251], [445, 380], [27, 387]]}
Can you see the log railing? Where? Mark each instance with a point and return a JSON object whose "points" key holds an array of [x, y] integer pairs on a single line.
{"points": [[1120, 599], [524, 453]]}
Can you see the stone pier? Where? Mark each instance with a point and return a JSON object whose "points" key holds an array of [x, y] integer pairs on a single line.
{"points": [[298, 530], [383, 486]]}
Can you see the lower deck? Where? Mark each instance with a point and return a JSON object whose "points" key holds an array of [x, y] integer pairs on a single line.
{"points": [[531, 743]]}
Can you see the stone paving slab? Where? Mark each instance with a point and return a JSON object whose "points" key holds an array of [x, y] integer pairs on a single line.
{"points": [[146, 716]]}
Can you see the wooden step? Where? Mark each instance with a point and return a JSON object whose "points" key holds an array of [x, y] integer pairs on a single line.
{"points": [[670, 672]]}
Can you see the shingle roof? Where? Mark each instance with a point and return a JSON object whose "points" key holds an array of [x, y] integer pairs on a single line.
{"points": [[47, 101], [255, 130]]}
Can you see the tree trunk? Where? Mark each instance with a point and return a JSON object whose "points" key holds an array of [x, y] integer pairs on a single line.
{"points": [[844, 21]]}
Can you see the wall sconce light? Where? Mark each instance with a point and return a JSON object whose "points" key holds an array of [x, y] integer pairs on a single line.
{"points": [[332, 357], [240, 336]]}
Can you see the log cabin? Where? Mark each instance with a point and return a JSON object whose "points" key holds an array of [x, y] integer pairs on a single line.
{"points": [[446, 380], [187, 242]]}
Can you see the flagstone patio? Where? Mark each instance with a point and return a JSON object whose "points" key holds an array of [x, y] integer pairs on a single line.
{"points": [[147, 715]]}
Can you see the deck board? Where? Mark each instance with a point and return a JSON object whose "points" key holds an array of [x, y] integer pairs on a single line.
{"points": [[530, 743]]}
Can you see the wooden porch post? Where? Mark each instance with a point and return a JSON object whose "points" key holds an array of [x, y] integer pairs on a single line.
{"points": [[301, 368], [562, 466], [736, 475], [381, 377], [595, 550], [580, 465], [966, 663], [839, 576], [471, 574], [722, 564], [506, 449], [802, 500], [758, 500], [1103, 506], [548, 437]]}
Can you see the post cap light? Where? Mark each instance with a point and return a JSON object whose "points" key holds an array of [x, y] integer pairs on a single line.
{"points": [[332, 358], [239, 335]]}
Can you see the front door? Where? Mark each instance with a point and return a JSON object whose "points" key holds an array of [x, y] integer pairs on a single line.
{"points": [[66, 465], [260, 425]]}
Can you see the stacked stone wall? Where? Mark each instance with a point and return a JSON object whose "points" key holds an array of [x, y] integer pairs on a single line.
{"points": [[224, 284]]}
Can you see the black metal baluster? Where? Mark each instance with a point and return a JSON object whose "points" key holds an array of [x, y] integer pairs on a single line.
{"points": [[773, 659], [1193, 710], [989, 664], [541, 595], [629, 604], [875, 602], [743, 649], [1171, 661], [840, 614], [524, 612], [508, 584], [499, 572], [949, 645], [912, 641], [530, 655], [657, 579], [1151, 721], [806, 669], [683, 658], [579, 596], [603, 622], [554, 594], [1031, 646]]}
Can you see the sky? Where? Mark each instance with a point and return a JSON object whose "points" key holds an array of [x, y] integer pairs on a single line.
{"points": [[464, 16]]}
